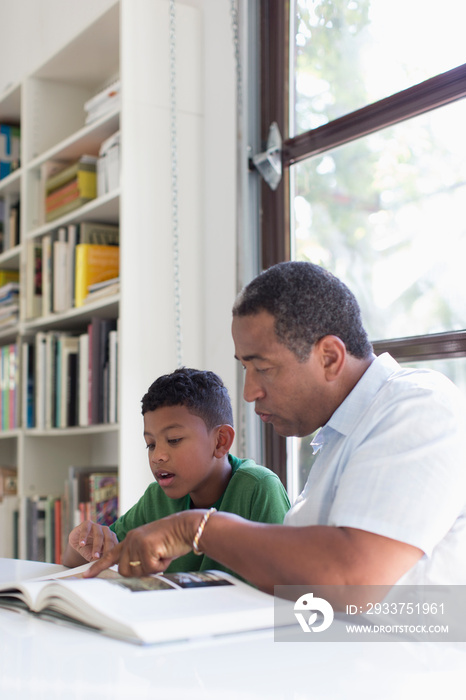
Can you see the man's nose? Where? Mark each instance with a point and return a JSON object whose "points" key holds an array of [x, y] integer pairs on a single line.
{"points": [[252, 389]]}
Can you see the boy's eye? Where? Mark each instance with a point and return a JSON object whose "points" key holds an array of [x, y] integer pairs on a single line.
{"points": [[150, 446], [174, 441]]}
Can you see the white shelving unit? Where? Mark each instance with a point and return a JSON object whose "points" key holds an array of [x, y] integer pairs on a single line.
{"points": [[130, 41], [49, 106]]}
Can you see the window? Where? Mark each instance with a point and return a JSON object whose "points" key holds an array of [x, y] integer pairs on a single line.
{"points": [[371, 111]]}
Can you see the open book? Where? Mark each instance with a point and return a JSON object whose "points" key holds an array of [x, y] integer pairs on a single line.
{"points": [[147, 610]]}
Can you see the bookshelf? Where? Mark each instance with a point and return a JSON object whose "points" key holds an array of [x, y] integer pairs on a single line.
{"points": [[48, 105]]}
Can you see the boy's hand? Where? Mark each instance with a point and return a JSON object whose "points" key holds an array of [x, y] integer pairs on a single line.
{"points": [[92, 541], [149, 549]]}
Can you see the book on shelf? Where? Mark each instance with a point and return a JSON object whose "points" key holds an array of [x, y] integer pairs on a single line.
{"points": [[47, 274], [10, 137], [27, 384], [7, 276], [43, 523], [103, 102], [9, 507], [50, 379], [103, 497], [59, 271], [72, 240], [98, 233], [148, 610], [9, 304], [40, 379], [9, 297], [108, 165], [9, 387], [66, 394], [33, 307], [3, 226], [113, 383], [99, 357], [94, 263], [8, 482], [9, 224], [80, 498], [83, 380], [70, 188], [12, 239]]}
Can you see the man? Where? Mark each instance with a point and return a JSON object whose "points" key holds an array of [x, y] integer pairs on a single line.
{"points": [[385, 500]]}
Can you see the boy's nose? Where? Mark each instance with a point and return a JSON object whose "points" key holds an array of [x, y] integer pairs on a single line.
{"points": [[159, 455]]}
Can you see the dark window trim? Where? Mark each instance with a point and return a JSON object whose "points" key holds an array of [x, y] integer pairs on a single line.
{"points": [[275, 218], [437, 346], [419, 99], [275, 205]]}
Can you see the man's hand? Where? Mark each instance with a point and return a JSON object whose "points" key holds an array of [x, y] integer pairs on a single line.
{"points": [[149, 549], [92, 541]]}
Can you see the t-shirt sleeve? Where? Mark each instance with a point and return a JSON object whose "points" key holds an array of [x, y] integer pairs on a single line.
{"points": [[269, 501]]}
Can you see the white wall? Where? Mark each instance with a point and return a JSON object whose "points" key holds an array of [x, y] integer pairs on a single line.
{"points": [[206, 185], [33, 30]]}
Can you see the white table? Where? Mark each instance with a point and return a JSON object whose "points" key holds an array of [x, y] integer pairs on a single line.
{"points": [[39, 659]]}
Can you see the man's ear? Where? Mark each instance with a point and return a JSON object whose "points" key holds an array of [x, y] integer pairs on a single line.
{"points": [[332, 352], [225, 434]]}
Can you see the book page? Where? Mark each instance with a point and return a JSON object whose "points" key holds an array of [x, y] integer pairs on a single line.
{"points": [[132, 609]]}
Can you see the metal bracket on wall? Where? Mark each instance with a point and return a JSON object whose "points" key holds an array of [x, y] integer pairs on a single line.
{"points": [[269, 163]]}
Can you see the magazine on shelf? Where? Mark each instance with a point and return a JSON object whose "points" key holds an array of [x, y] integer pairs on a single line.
{"points": [[148, 610]]}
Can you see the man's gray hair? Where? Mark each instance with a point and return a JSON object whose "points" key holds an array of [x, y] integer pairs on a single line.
{"points": [[307, 303]]}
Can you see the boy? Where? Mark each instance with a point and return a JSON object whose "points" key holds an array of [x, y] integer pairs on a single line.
{"points": [[188, 429]]}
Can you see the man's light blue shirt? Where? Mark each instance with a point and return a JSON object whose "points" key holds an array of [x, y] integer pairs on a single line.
{"points": [[392, 461]]}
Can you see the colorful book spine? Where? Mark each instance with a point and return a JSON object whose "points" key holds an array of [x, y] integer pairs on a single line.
{"points": [[94, 263]]}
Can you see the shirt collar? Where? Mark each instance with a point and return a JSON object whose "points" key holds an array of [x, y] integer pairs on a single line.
{"points": [[349, 411]]}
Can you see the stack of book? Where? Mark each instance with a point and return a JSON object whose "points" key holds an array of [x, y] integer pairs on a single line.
{"points": [[9, 297], [9, 149], [101, 290], [71, 187], [105, 101]]}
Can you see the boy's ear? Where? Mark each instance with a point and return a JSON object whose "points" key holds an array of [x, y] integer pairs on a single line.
{"points": [[225, 434]]}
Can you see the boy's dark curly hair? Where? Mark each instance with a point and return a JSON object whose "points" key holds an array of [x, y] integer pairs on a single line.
{"points": [[201, 391]]}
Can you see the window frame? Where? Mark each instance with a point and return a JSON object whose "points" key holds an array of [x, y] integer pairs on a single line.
{"points": [[424, 97]]}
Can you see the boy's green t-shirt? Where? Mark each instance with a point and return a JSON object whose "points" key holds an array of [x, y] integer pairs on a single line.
{"points": [[253, 492]]}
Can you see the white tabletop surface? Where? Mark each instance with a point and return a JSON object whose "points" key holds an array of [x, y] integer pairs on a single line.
{"points": [[40, 659]]}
